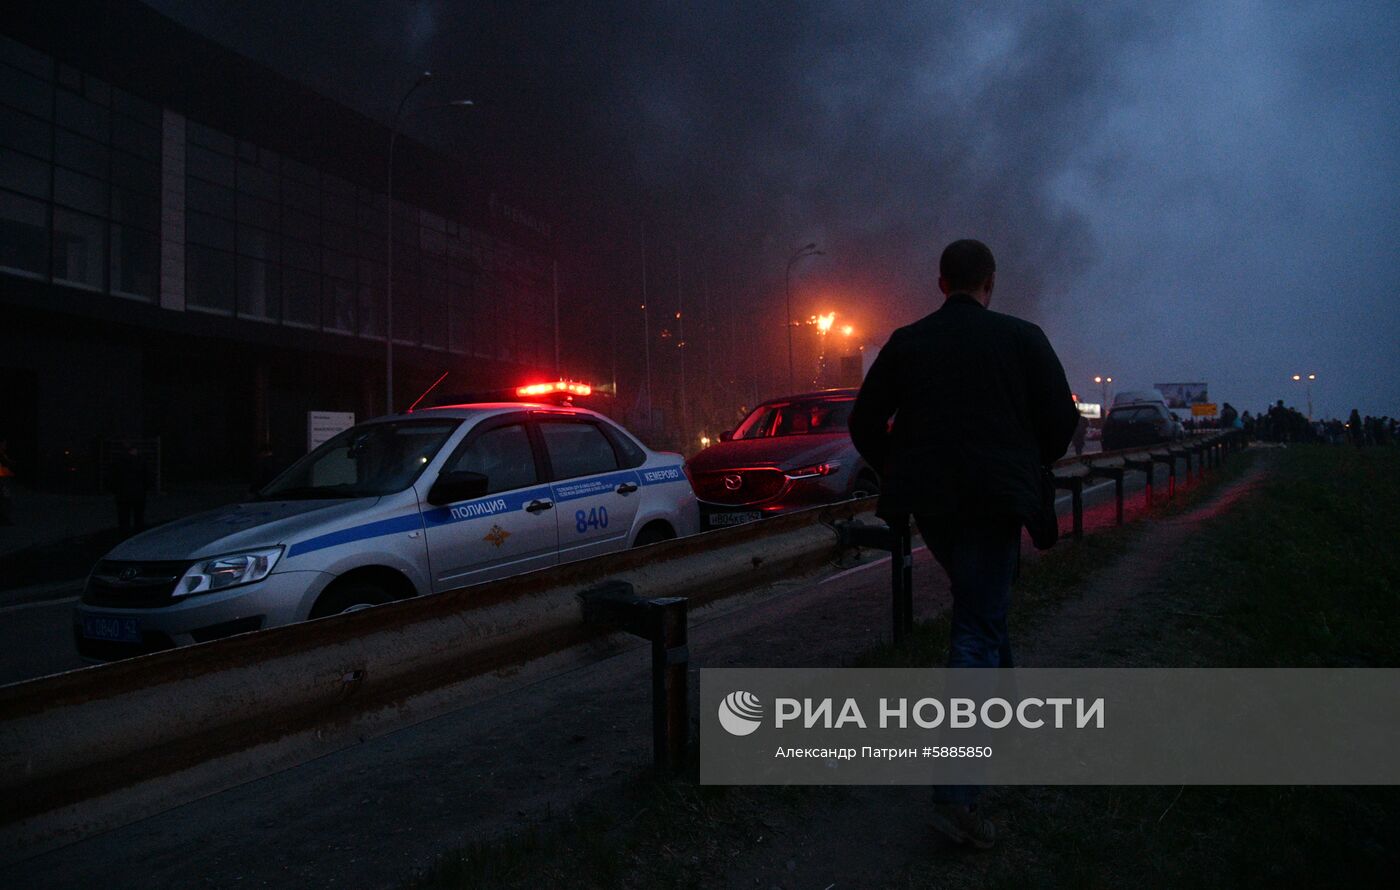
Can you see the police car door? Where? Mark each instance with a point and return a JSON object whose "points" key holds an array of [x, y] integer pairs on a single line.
{"points": [[595, 497], [509, 530]]}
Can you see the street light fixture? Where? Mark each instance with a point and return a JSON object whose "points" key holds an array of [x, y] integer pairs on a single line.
{"points": [[389, 259], [1299, 378], [801, 253]]}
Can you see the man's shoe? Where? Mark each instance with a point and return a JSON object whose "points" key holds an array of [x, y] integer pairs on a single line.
{"points": [[962, 824]]}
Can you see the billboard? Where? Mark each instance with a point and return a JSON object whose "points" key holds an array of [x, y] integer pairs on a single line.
{"points": [[1183, 395]]}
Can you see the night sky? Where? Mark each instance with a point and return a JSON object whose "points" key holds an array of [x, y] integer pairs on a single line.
{"points": [[1201, 192]]}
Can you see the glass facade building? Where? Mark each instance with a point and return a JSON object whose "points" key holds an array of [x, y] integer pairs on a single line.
{"points": [[137, 228]]}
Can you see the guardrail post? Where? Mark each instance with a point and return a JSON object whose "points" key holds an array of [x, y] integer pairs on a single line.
{"points": [[663, 621], [902, 581], [670, 659], [1075, 485], [1144, 463], [1184, 454], [1076, 501], [898, 540], [1165, 457]]}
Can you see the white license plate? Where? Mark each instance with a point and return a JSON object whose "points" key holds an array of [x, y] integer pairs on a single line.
{"points": [[720, 520], [112, 628]]}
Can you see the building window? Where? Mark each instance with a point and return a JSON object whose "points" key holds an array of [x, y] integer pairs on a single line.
{"points": [[209, 279], [30, 94], [24, 133], [23, 174], [24, 235], [79, 248], [135, 262], [82, 116], [259, 289], [301, 297], [80, 192], [341, 308]]}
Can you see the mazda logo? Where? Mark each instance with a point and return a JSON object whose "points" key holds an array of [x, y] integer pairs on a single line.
{"points": [[733, 482], [127, 574]]}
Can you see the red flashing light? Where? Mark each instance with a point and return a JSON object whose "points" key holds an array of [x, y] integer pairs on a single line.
{"points": [[558, 386]]}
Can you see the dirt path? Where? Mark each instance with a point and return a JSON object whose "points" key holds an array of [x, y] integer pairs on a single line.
{"points": [[864, 836], [1100, 627]]}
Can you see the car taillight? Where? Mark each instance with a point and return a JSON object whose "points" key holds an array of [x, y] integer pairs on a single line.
{"points": [[813, 470]]}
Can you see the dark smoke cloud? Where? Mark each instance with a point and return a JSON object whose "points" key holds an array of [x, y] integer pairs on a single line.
{"points": [[1206, 192]]}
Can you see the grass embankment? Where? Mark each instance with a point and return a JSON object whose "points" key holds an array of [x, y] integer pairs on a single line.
{"points": [[1304, 573]]}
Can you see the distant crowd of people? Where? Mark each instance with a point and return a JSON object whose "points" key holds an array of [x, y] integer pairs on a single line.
{"points": [[1283, 424]]}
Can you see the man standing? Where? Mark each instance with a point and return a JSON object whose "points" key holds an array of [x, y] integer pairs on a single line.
{"points": [[128, 480], [980, 404]]}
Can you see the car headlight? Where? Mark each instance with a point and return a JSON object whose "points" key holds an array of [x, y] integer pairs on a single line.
{"points": [[826, 468], [228, 571]]}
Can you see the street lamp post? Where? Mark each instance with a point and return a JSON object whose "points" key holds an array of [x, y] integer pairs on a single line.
{"points": [[802, 252], [1308, 379], [389, 256], [1103, 383]]}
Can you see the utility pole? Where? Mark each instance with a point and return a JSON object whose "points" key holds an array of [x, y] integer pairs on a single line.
{"points": [[558, 369], [646, 325], [680, 345], [804, 251]]}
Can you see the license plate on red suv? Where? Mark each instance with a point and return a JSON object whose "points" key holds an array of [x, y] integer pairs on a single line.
{"points": [[723, 520]]}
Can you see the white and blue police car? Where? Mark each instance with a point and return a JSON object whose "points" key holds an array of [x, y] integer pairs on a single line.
{"points": [[395, 507]]}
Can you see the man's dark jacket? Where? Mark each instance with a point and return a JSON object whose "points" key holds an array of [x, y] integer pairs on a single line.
{"points": [[980, 403]]}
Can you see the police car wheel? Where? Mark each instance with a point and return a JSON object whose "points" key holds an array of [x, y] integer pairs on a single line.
{"points": [[351, 598]]}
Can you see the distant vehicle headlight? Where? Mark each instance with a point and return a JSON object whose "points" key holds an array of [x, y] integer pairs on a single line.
{"points": [[228, 571]]}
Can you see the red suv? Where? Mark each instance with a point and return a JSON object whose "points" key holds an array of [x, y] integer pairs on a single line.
{"points": [[787, 454]]}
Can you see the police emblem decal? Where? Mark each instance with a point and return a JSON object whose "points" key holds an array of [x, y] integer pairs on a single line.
{"points": [[496, 536]]}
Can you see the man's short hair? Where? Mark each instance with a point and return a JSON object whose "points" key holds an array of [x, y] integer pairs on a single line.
{"points": [[966, 265]]}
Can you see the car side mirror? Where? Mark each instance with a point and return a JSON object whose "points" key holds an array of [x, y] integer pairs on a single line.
{"points": [[726, 435], [457, 485]]}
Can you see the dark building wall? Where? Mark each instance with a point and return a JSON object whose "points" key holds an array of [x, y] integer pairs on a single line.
{"points": [[63, 390], [193, 248]]}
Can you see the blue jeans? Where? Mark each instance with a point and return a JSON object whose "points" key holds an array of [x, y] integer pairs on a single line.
{"points": [[981, 560]]}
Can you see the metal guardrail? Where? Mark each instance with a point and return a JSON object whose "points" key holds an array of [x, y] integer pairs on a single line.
{"points": [[107, 733], [1202, 450]]}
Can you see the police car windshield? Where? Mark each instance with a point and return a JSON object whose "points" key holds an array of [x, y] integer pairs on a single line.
{"points": [[364, 461], [797, 418]]}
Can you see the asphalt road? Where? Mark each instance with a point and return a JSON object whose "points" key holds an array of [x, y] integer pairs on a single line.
{"points": [[36, 637]]}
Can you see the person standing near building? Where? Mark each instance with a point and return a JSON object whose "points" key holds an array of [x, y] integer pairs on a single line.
{"points": [[980, 405], [128, 481]]}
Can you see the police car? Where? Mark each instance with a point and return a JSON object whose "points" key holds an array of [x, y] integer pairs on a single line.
{"points": [[395, 507]]}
